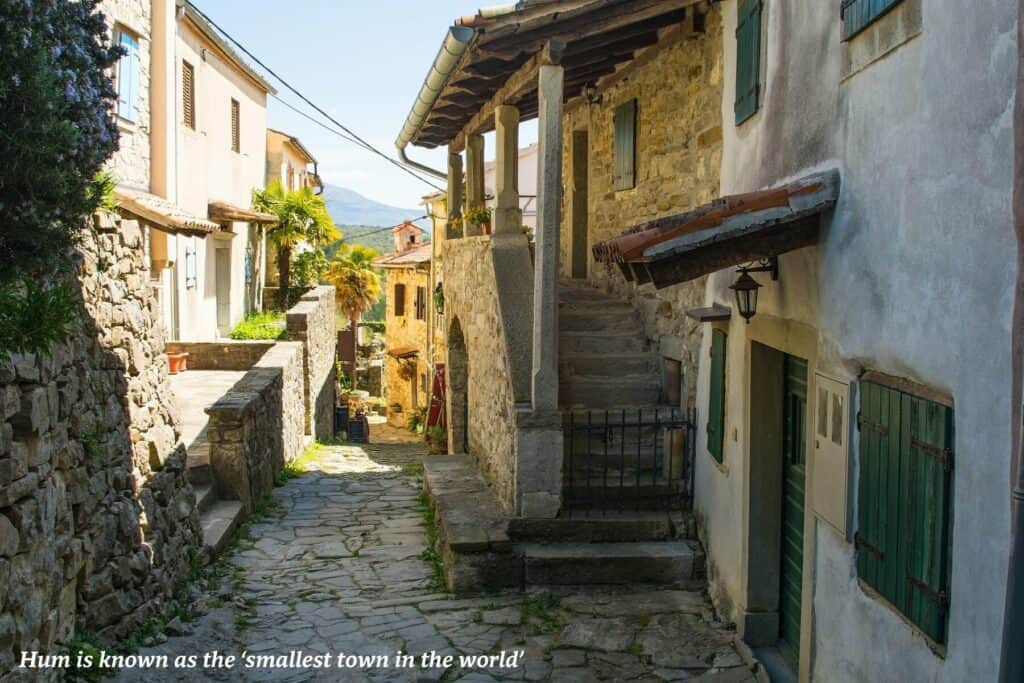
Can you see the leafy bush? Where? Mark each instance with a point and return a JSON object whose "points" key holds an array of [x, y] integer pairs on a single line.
{"points": [[308, 268], [34, 317], [58, 129], [261, 326]]}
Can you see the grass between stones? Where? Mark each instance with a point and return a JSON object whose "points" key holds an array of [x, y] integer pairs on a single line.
{"points": [[430, 554], [540, 611]]}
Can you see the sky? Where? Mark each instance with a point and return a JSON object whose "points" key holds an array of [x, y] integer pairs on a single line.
{"points": [[361, 61]]}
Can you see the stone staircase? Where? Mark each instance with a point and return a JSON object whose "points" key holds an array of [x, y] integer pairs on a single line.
{"points": [[218, 518]]}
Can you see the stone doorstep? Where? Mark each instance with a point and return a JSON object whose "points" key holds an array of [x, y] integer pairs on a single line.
{"points": [[219, 522], [610, 528], [671, 563]]}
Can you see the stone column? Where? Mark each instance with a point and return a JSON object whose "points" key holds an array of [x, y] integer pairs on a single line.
{"points": [[474, 177], [549, 220], [454, 194], [508, 217]]}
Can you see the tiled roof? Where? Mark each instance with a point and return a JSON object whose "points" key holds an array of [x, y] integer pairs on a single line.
{"points": [[405, 259], [162, 213]]}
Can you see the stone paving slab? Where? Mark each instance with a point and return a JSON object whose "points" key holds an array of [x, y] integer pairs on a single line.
{"points": [[339, 566]]}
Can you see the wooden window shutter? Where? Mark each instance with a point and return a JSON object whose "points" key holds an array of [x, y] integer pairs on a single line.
{"points": [[399, 300], [128, 68], [188, 94], [877, 508], [625, 146], [421, 303], [716, 396], [858, 14], [748, 59], [929, 448], [236, 132]]}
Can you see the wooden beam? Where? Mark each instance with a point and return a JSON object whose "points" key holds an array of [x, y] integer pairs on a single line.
{"points": [[715, 313], [600, 40], [523, 81]]}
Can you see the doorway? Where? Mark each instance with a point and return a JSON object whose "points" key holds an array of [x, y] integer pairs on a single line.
{"points": [[457, 367], [222, 270], [580, 202], [794, 469]]}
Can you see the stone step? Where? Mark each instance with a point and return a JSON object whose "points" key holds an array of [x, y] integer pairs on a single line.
{"points": [[609, 392], [199, 474], [600, 321], [592, 306], [219, 523], [609, 528], [574, 294], [205, 496], [670, 563], [660, 496], [601, 342], [607, 364]]}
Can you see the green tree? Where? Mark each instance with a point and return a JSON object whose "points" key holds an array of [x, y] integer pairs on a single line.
{"points": [[356, 282], [302, 218]]}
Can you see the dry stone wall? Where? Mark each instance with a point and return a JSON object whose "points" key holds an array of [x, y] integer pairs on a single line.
{"points": [[258, 426], [678, 161], [221, 355], [312, 322], [97, 520]]}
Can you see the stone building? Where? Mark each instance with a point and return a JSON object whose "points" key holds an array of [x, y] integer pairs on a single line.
{"points": [[407, 366], [806, 250]]}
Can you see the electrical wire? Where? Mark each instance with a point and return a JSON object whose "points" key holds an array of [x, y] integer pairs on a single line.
{"points": [[346, 238], [354, 137]]}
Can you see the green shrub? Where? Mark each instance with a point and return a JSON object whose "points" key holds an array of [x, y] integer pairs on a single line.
{"points": [[269, 325], [34, 317]]}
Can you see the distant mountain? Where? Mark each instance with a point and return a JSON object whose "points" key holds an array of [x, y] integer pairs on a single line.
{"points": [[348, 207]]}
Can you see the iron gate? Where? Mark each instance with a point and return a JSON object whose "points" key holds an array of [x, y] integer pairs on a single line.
{"points": [[633, 459]]}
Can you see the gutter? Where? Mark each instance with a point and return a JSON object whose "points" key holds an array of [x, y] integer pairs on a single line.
{"points": [[454, 46]]}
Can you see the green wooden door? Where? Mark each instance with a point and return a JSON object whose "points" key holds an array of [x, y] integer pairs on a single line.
{"points": [[794, 459]]}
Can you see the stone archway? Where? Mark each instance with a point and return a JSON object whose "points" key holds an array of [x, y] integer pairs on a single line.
{"points": [[457, 368]]}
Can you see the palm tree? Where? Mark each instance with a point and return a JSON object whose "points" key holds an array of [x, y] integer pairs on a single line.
{"points": [[357, 284], [302, 218]]}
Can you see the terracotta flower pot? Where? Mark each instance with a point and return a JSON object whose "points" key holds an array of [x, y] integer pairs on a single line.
{"points": [[177, 362]]}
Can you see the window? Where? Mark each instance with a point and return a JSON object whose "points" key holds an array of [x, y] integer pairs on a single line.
{"points": [[190, 267], [188, 95], [625, 146], [421, 303], [904, 503], [399, 300], [236, 133], [748, 59], [858, 14], [716, 397], [128, 77]]}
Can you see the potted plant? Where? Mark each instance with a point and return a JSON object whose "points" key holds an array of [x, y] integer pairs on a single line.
{"points": [[480, 216], [437, 440]]}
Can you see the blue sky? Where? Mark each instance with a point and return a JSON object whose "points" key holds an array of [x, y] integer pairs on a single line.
{"points": [[362, 62]]}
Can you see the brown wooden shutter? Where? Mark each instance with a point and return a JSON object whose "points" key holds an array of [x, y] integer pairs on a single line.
{"points": [[188, 94], [399, 300], [236, 133]]}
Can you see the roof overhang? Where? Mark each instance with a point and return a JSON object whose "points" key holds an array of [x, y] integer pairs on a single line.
{"points": [[222, 45], [162, 214], [493, 55], [727, 232], [224, 212], [403, 352]]}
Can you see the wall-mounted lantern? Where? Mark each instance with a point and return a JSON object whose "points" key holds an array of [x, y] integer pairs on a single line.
{"points": [[746, 287], [591, 94]]}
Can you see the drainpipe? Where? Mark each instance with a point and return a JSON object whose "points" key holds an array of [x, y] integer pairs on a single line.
{"points": [[454, 46], [1011, 668]]}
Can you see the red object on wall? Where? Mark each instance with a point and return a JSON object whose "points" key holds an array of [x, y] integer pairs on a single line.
{"points": [[436, 414]]}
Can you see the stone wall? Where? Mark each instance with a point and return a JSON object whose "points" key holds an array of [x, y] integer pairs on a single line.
{"points": [[312, 322], [478, 364], [97, 520], [678, 161], [221, 355], [258, 426]]}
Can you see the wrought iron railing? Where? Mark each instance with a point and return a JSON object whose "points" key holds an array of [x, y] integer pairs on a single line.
{"points": [[627, 460]]}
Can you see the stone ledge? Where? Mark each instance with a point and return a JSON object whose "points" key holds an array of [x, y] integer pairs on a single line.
{"points": [[472, 533]]}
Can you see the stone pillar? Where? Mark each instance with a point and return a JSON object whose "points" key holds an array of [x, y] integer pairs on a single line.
{"points": [[508, 217], [454, 194], [549, 220], [474, 177]]}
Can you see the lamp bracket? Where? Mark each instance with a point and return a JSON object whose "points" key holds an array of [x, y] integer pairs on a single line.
{"points": [[765, 265]]}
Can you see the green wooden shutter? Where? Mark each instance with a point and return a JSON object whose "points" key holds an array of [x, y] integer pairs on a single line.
{"points": [[929, 440], [748, 59], [716, 396], [858, 14], [625, 146], [877, 510]]}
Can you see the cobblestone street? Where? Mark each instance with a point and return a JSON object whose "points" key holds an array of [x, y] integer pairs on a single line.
{"points": [[338, 565]]}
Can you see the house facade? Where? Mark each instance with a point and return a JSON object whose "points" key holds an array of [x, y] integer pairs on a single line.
{"points": [[407, 364], [770, 188]]}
